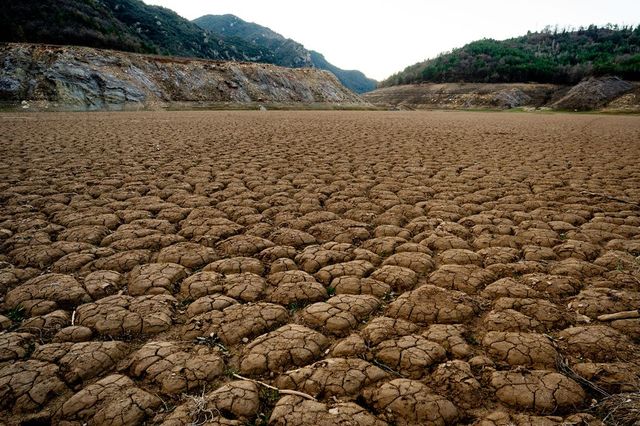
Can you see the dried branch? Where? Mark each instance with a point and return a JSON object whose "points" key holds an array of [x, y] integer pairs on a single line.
{"points": [[282, 391], [620, 315]]}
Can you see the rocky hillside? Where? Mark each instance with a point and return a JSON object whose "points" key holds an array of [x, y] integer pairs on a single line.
{"points": [[134, 26], [606, 93], [285, 51], [85, 78]]}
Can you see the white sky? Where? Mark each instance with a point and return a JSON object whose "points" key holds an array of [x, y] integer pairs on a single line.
{"points": [[380, 37]]}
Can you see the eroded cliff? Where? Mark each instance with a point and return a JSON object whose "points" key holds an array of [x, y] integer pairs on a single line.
{"points": [[85, 78]]}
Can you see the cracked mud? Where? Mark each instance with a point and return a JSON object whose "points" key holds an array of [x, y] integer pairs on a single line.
{"points": [[399, 267]]}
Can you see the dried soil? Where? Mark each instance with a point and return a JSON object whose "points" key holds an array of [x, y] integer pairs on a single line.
{"points": [[399, 267]]}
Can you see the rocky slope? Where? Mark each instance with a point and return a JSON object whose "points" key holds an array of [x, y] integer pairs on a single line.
{"points": [[607, 93], [81, 78], [134, 26]]}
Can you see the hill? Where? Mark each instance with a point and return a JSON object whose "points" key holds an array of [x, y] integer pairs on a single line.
{"points": [[128, 25], [286, 52], [133, 26], [557, 57], [282, 51]]}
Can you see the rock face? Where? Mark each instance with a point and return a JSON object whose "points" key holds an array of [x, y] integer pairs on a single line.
{"points": [[609, 93], [462, 95], [593, 93], [79, 78]]}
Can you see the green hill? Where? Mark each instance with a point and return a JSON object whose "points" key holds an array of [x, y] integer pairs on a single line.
{"points": [[128, 25], [281, 51], [561, 57], [285, 51]]}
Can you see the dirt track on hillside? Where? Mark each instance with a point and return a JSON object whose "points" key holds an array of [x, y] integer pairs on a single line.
{"points": [[401, 268]]}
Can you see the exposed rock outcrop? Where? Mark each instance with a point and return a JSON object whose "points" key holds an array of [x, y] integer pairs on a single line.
{"points": [[608, 93], [80, 78], [593, 93]]}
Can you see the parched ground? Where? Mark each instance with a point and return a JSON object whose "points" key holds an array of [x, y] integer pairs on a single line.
{"points": [[375, 267]]}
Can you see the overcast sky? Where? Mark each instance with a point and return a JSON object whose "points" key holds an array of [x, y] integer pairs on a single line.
{"points": [[382, 37]]}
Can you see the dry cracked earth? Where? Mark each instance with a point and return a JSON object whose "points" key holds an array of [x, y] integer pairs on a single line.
{"points": [[374, 268]]}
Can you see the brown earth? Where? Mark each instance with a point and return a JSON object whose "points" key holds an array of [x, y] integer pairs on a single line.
{"points": [[399, 267]]}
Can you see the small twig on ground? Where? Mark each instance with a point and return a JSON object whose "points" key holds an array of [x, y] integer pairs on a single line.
{"points": [[622, 409], [563, 367], [608, 197], [620, 315], [282, 391], [386, 368]]}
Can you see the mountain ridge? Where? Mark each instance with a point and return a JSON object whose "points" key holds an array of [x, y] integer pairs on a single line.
{"points": [[292, 51]]}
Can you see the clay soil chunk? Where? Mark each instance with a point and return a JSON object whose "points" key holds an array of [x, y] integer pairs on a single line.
{"points": [[430, 304], [288, 346], [112, 400], [243, 245], [237, 322], [176, 367], [450, 337], [201, 284], [399, 278], [384, 328], [409, 402], [420, 263], [189, 255], [410, 355], [101, 284], [470, 279], [526, 349], [28, 386], [236, 265], [339, 377], [126, 315], [15, 346], [598, 343], [80, 362], [314, 258], [356, 268], [235, 400], [455, 379], [294, 410], [155, 278], [289, 287], [63, 290], [356, 285], [245, 287], [340, 314], [537, 390]]}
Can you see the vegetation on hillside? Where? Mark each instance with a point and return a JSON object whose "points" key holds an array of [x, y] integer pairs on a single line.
{"points": [[353, 79], [280, 51], [285, 51], [74, 22], [128, 25], [549, 56], [133, 26]]}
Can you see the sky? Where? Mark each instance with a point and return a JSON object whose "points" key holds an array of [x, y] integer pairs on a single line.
{"points": [[380, 37]]}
